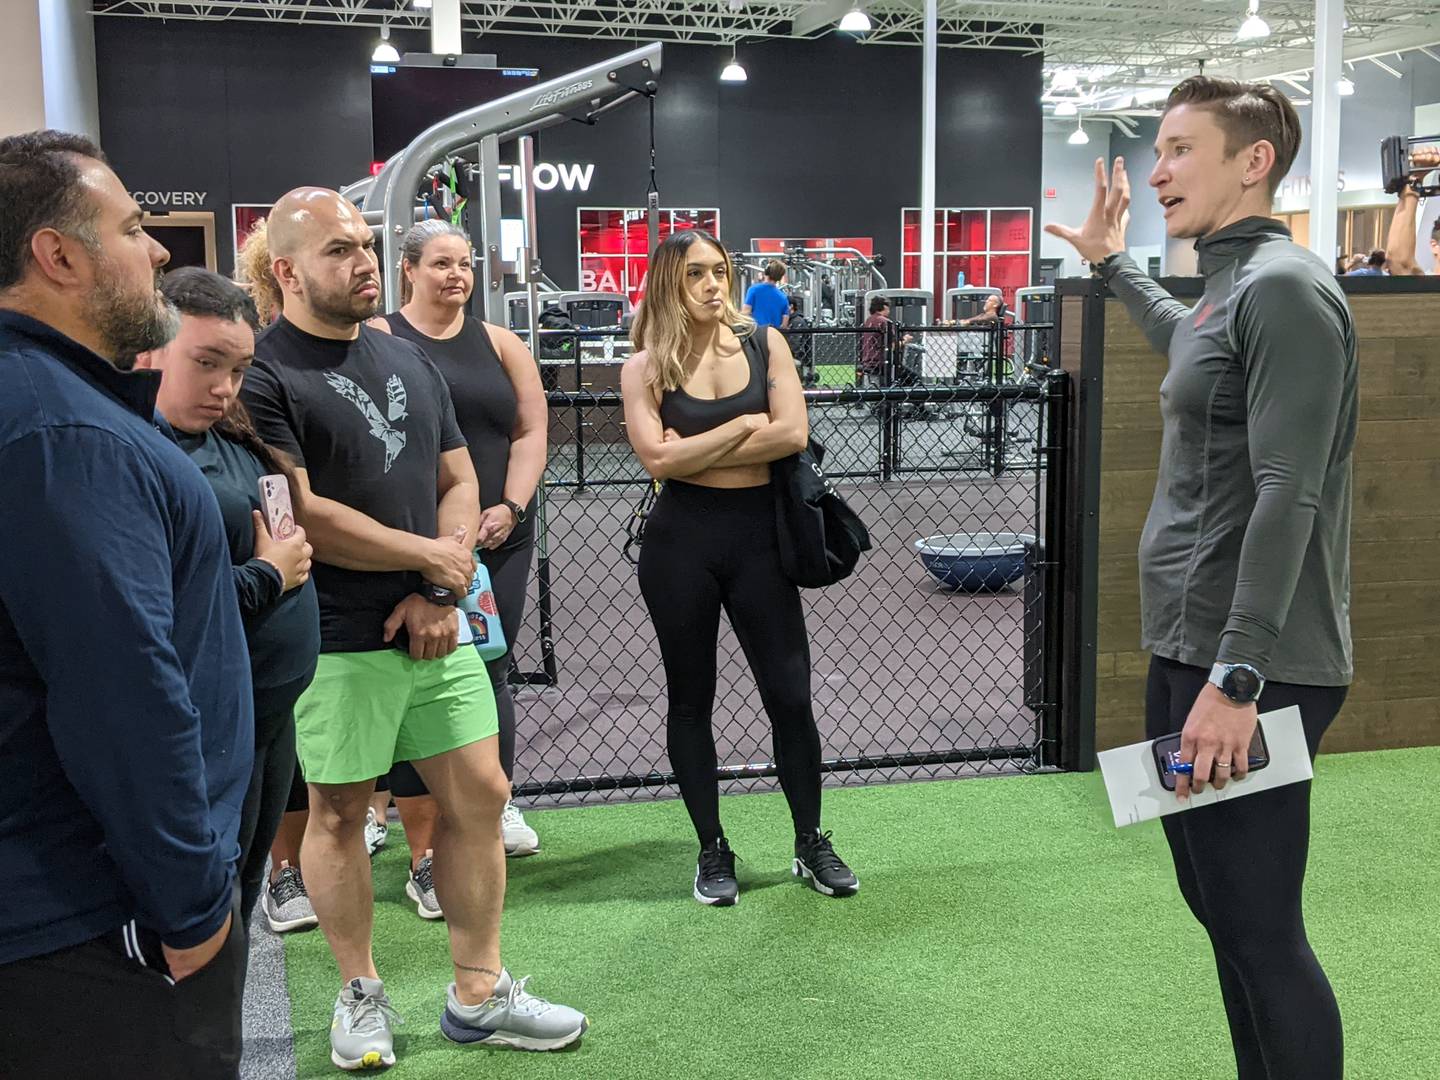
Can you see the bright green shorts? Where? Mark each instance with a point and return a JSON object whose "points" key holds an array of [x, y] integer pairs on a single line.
{"points": [[367, 710]]}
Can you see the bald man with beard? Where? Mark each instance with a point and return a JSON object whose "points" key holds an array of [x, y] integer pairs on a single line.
{"points": [[391, 503]]}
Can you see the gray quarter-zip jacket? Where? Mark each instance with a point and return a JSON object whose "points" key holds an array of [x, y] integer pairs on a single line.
{"points": [[1245, 557]]}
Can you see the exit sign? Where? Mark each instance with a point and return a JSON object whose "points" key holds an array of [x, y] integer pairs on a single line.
{"points": [[1049, 193], [377, 166]]}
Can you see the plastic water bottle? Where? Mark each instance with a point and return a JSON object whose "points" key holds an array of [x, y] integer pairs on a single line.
{"points": [[483, 614]]}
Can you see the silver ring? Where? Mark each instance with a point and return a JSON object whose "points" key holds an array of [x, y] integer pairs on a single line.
{"points": [[1223, 765]]}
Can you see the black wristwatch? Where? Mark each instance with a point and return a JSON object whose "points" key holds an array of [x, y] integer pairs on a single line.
{"points": [[439, 595], [516, 509], [1241, 683]]}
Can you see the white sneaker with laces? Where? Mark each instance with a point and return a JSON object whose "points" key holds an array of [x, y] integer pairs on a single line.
{"points": [[520, 839], [377, 831]]}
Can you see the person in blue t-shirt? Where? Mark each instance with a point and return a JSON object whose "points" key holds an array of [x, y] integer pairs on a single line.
{"points": [[765, 302]]}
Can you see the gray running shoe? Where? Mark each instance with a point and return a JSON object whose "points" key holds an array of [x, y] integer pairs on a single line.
{"points": [[360, 1033], [286, 903], [520, 839], [421, 889], [512, 1018], [377, 830]]}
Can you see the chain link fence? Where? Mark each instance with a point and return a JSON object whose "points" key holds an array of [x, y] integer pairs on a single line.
{"points": [[942, 439]]}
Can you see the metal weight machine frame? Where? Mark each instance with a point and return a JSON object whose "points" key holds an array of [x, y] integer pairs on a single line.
{"points": [[388, 203]]}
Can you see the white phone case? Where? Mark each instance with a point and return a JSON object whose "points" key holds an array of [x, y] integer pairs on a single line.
{"points": [[279, 511]]}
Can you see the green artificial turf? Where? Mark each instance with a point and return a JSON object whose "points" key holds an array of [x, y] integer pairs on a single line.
{"points": [[1004, 929]]}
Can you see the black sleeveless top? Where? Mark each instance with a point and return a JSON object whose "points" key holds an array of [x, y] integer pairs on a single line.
{"points": [[691, 415], [484, 397]]}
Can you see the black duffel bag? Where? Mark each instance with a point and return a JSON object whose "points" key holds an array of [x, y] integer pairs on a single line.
{"points": [[821, 538]]}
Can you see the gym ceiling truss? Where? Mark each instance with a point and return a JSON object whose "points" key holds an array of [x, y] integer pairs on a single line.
{"points": [[1129, 41]]}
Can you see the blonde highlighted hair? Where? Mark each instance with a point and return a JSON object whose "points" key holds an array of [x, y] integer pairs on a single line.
{"points": [[252, 270], [662, 323]]}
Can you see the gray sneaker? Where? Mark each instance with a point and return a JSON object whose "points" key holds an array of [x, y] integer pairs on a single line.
{"points": [[360, 1035], [421, 889], [512, 1018], [286, 903]]}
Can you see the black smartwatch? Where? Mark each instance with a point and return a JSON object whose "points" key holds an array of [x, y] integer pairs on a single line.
{"points": [[516, 509], [1241, 683], [439, 596]]}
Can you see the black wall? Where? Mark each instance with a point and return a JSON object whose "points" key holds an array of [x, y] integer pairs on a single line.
{"points": [[823, 140]]}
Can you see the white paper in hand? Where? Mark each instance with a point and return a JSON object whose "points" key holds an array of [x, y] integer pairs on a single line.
{"points": [[1136, 793]]}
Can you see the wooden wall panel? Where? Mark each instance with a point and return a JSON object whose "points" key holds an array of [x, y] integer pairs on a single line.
{"points": [[1395, 552]]}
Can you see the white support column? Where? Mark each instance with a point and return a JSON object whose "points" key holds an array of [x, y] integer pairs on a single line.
{"points": [[1325, 127], [67, 50], [927, 158], [445, 28]]}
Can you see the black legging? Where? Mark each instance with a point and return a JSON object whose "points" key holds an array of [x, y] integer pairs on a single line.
{"points": [[509, 567], [1241, 868], [704, 549], [270, 790]]}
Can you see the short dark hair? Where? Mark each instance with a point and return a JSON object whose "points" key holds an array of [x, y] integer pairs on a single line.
{"points": [[193, 290], [775, 270], [1247, 112], [1377, 257], [40, 189], [878, 304]]}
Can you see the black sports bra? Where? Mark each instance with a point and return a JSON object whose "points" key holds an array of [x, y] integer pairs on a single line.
{"points": [[691, 415]]}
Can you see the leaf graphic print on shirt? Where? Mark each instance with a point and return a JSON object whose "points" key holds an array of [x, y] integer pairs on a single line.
{"points": [[380, 427]]}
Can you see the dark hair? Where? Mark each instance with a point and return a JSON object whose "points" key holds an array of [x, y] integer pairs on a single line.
{"points": [[201, 293], [1377, 257], [1248, 113], [40, 189], [775, 270], [194, 290], [878, 304]]}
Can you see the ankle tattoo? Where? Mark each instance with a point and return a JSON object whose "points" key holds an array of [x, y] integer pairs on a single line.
{"points": [[477, 970]]}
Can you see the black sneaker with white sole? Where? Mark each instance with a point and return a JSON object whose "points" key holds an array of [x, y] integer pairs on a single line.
{"points": [[715, 882], [817, 863]]}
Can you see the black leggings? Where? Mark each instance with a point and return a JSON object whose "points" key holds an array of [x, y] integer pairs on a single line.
{"points": [[704, 549], [1241, 868], [271, 787], [509, 568]]}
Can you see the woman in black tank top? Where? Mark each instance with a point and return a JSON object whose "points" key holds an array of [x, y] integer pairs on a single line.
{"points": [[710, 402], [501, 410]]}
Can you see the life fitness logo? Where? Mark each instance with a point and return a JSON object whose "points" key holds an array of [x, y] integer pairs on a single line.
{"points": [[556, 96]]}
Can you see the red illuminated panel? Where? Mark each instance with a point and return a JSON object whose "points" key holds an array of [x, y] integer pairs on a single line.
{"points": [[971, 231], [1009, 230], [972, 266], [1008, 273], [376, 167]]}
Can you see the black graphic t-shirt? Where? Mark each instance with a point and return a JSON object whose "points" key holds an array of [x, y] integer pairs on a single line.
{"points": [[368, 420]]}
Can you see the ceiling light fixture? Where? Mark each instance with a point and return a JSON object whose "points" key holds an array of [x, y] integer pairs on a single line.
{"points": [[1063, 79], [855, 21], [422, 5], [1078, 136], [1253, 28], [733, 71], [385, 52], [1065, 108], [1345, 88]]}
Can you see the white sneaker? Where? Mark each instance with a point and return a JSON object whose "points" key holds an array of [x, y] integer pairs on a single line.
{"points": [[520, 839], [377, 832]]}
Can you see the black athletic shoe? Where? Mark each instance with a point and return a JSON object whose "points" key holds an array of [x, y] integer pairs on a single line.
{"points": [[817, 863], [715, 882]]}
